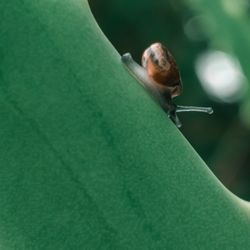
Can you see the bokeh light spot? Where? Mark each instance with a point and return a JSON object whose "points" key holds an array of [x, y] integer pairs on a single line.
{"points": [[235, 8], [221, 76]]}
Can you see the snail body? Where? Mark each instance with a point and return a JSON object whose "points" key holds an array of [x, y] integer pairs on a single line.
{"points": [[160, 75]]}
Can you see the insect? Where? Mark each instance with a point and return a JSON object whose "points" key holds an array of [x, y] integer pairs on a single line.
{"points": [[160, 75]]}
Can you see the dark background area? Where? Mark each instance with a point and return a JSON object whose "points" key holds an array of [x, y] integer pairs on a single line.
{"points": [[189, 29]]}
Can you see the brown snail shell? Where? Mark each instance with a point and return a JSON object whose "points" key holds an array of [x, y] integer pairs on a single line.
{"points": [[162, 69]]}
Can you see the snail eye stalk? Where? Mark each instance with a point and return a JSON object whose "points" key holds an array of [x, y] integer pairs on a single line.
{"points": [[207, 110], [172, 112]]}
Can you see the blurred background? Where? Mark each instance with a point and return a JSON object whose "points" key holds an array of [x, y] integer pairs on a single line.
{"points": [[210, 41]]}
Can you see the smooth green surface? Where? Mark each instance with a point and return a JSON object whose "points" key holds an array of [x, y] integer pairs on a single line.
{"points": [[87, 159]]}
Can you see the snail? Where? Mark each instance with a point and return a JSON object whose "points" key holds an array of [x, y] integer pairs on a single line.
{"points": [[160, 75]]}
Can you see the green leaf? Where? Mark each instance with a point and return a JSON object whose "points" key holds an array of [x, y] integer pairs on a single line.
{"points": [[87, 159]]}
